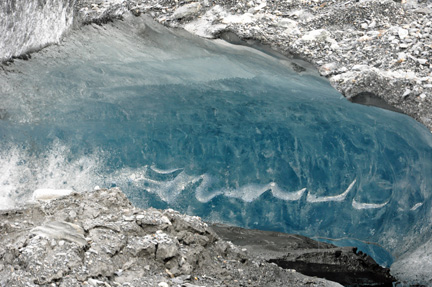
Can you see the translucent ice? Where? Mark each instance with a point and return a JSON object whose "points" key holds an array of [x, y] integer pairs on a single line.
{"points": [[221, 131]]}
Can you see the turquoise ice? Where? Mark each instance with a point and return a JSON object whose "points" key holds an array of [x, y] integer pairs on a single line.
{"points": [[225, 132]]}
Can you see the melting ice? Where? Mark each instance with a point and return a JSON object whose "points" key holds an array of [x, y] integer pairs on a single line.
{"points": [[225, 132]]}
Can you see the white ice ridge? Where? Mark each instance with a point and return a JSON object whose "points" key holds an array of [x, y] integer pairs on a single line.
{"points": [[339, 197], [170, 189], [247, 193], [162, 171], [360, 205], [49, 194], [417, 205]]}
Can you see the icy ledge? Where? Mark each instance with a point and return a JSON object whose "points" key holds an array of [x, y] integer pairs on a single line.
{"points": [[378, 50], [93, 238]]}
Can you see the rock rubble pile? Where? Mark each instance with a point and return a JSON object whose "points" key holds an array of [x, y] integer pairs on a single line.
{"points": [[99, 239]]}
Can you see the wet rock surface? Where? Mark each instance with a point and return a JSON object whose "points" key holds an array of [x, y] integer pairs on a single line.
{"points": [[378, 47], [99, 239], [345, 265]]}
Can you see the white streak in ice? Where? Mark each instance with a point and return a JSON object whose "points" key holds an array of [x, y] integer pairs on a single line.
{"points": [[247, 193], [162, 171], [288, 196], [360, 205], [417, 205], [339, 197]]}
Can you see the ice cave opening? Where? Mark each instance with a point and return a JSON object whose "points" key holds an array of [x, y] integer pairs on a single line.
{"points": [[223, 131]]}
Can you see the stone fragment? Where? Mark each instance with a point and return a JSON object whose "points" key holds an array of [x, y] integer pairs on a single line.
{"points": [[319, 35], [406, 93], [61, 230], [402, 33], [287, 23], [328, 69], [402, 57], [422, 61], [404, 46], [166, 250], [186, 11]]}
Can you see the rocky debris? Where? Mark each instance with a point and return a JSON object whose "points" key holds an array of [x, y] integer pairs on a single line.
{"points": [[380, 47], [345, 265], [407, 269], [99, 239]]}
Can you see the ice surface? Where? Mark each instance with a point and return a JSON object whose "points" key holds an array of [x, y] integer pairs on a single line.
{"points": [[49, 194], [29, 25], [26, 173], [221, 131]]}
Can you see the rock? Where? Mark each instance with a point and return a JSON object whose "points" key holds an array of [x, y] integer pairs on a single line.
{"points": [[406, 93], [61, 230], [186, 11], [166, 251], [402, 57], [287, 23], [120, 244], [328, 69], [422, 61], [409, 271], [316, 35], [402, 33], [320, 35], [341, 264]]}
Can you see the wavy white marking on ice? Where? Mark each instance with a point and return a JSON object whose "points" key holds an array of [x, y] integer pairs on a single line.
{"points": [[361, 205], [340, 197], [247, 193], [168, 190], [49, 194], [288, 196]]}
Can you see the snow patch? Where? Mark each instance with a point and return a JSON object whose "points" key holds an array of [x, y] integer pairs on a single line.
{"points": [[49, 194]]}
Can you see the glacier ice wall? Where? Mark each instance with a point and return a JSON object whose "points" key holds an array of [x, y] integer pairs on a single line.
{"points": [[221, 131], [29, 25]]}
